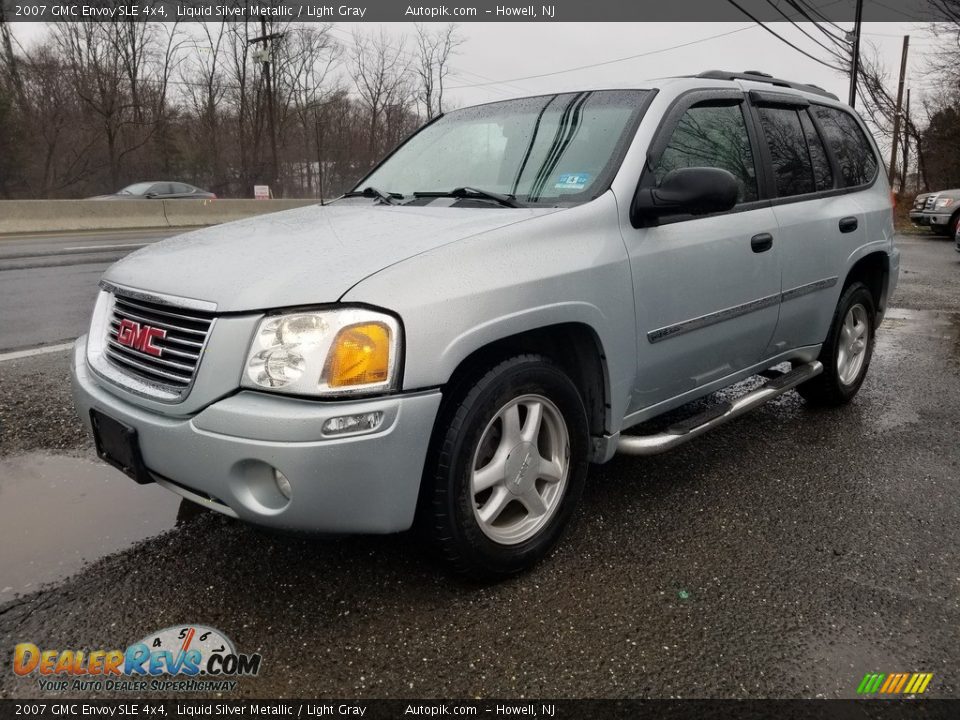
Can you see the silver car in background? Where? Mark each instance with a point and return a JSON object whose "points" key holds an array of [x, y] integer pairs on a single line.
{"points": [[452, 344], [939, 211]]}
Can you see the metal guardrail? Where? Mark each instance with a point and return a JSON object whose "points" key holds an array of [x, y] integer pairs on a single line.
{"points": [[35, 216]]}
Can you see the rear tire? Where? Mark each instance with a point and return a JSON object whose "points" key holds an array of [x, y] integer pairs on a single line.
{"points": [[846, 353], [508, 465]]}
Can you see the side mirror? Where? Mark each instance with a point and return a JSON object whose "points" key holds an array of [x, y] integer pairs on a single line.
{"points": [[693, 191], [150, 195]]}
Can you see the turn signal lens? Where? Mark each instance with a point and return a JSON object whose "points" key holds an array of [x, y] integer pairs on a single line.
{"points": [[360, 355]]}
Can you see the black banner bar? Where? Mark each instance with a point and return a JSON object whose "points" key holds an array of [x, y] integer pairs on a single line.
{"points": [[475, 11], [493, 709]]}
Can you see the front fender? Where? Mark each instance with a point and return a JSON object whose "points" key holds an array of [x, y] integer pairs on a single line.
{"points": [[567, 267]]}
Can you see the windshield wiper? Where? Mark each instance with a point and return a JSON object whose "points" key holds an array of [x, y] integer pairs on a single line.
{"points": [[372, 192], [473, 194]]}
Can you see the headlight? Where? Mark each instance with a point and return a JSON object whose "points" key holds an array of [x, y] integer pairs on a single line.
{"points": [[325, 352], [945, 202]]}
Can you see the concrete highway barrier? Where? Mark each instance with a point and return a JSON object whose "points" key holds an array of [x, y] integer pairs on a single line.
{"points": [[36, 216]]}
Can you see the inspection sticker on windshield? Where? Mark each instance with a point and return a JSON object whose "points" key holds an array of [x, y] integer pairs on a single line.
{"points": [[574, 181]]}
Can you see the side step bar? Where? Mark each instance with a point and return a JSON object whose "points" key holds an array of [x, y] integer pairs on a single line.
{"points": [[716, 415]]}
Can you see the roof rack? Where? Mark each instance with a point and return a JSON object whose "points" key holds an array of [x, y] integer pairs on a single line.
{"points": [[757, 76]]}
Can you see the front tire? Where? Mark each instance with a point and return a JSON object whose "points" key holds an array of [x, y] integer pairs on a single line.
{"points": [[508, 468], [847, 351]]}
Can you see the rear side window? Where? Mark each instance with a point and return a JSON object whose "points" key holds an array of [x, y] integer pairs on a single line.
{"points": [[712, 135], [792, 166], [858, 165]]}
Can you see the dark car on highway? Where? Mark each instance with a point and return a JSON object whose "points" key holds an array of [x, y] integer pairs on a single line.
{"points": [[162, 190]]}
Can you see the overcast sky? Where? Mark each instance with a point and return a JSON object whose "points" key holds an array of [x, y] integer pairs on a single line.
{"points": [[501, 52]]}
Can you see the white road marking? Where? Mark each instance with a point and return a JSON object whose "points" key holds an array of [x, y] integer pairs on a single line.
{"points": [[106, 247], [45, 350]]}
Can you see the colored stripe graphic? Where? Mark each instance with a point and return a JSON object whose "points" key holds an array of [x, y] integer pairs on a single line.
{"points": [[903, 680], [894, 683]]}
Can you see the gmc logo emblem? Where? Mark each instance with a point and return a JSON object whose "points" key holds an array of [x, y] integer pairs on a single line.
{"points": [[140, 337]]}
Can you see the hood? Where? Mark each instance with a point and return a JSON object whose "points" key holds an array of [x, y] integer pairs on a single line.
{"points": [[304, 256]]}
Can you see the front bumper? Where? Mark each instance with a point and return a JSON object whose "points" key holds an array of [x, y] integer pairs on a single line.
{"points": [[223, 456], [933, 218]]}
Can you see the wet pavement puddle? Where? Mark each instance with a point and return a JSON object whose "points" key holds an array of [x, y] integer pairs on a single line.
{"points": [[59, 512]]}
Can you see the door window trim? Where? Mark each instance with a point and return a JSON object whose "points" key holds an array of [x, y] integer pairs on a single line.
{"points": [[664, 132], [766, 183], [808, 107]]}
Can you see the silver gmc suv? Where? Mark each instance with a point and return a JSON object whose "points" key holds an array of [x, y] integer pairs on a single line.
{"points": [[453, 343]]}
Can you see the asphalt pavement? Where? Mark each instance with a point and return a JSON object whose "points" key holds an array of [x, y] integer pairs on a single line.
{"points": [[784, 555], [48, 282]]}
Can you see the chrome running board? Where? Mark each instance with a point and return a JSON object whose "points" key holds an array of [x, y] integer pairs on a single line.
{"points": [[716, 415]]}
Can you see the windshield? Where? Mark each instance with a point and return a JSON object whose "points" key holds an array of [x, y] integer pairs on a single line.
{"points": [[553, 149], [137, 189]]}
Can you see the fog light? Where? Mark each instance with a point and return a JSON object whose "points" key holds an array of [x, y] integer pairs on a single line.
{"points": [[283, 485], [344, 424]]}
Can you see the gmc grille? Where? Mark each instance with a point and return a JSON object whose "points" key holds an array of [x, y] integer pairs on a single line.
{"points": [[185, 334]]}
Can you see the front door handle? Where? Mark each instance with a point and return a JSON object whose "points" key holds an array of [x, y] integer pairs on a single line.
{"points": [[848, 224], [761, 243]]}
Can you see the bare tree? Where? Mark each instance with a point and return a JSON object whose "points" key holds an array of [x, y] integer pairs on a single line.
{"points": [[312, 55], [432, 67], [11, 61], [380, 73], [204, 85], [119, 79]]}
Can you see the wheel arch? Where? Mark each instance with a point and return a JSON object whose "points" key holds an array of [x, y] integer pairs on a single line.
{"points": [[575, 346], [873, 270]]}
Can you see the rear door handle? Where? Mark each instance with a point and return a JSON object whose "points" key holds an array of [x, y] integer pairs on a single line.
{"points": [[761, 243], [848, 224]]}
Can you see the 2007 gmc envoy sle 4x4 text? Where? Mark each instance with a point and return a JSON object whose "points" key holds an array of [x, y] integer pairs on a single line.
{"points": [[452, 344]]}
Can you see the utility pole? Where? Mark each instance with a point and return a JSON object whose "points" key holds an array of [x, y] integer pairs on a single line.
{"points": [[897, 111], [906, 144], [855, 63], [265, 59]]}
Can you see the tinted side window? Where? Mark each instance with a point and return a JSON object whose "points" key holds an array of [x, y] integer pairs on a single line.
{"points": [[712, 136], [858, 165], [788, 151], [822, 172], [182, 188]]}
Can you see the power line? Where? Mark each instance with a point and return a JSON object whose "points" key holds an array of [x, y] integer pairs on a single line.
{"points": [[608, 62], [794, 23], [840, 42], [815, 9], [783, 39]]}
